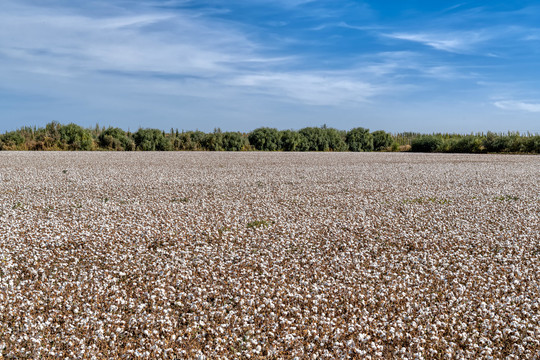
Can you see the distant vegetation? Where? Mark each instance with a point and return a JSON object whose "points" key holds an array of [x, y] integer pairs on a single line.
{"points": [[55, 136]]}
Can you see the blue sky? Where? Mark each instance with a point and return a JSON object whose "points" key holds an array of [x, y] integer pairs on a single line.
{"points": [[238, 65]]}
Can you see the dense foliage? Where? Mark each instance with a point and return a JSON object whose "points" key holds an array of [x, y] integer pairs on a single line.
{"points": [[359, 139], [426, 143], [55, 136]]}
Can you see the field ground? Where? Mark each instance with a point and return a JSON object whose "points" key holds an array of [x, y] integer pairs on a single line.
{"points": [[269, 255]]}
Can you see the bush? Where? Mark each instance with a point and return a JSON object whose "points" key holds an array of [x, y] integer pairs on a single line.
{"points": [[336, 139], [359, 139], [467, 144], [322, 139], [233, 141], [381, 140], [191, 140], [496, 143], [531, 144], [76, 137], [213, 141], [11, 140], [55, 136], [291, 140], [426, 143], [516, 143], [151, 140], [115, 139], [265, 139], [316, 139]]}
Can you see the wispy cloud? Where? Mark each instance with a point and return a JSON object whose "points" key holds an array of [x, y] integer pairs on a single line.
{"points": [[206, 57], [289, 3], [285, 3], [171, 45], [309, 88], [163, 42], [345, 25], [409, 65], [516, 105], [460, 42], [453, 7]]}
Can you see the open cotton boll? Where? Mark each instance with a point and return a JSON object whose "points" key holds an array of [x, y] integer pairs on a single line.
{"points": [[307, 255]]}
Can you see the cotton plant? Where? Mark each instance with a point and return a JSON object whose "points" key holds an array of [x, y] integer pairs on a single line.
{"points": [[281, 255]]}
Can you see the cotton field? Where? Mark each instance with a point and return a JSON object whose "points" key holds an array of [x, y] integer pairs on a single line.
{"points": [[197, 255]]}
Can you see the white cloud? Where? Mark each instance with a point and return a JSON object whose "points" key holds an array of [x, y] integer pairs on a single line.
{"points": [[158, 59], [169, 44], [286, 3], [343, 24], [313, 89], [532, 37], [361, 28], [176, 44], [402, 66], [462, 42], [518, 106]]}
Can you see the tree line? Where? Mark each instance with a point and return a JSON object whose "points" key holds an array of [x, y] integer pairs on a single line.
{"points": [[56, 136]]}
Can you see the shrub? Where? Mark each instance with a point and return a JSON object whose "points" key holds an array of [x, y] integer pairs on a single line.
{"points": [[336, 139], [531, 144], [291, 140], [266, 139], [316, 139], [467, 144], [190, 140], [426, 143], [76, 137], [359, 139], [11, 140], [495, 143], [115, 139], [213, 141], [233, 141], [151, 140], [381, 140]]}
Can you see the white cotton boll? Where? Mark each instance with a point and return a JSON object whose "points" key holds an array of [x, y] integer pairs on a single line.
{"points": [[363, 337], [169, 253]]}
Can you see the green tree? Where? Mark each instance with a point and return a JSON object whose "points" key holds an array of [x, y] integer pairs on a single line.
{"points": [[213, 141], [381, 140], [291, 140], [189, 140], [52, 130], [466, 144], [233, 141], [359, 139], [531, 144], [115, 139], [316, 139], [265, 139], [11, 141], [197, 138], [496, 143], [76, 137], [336, 139], [426, 143], [151, 140]]}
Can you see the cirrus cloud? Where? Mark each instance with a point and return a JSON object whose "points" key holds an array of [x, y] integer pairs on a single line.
{"points": [[515, 105]]}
